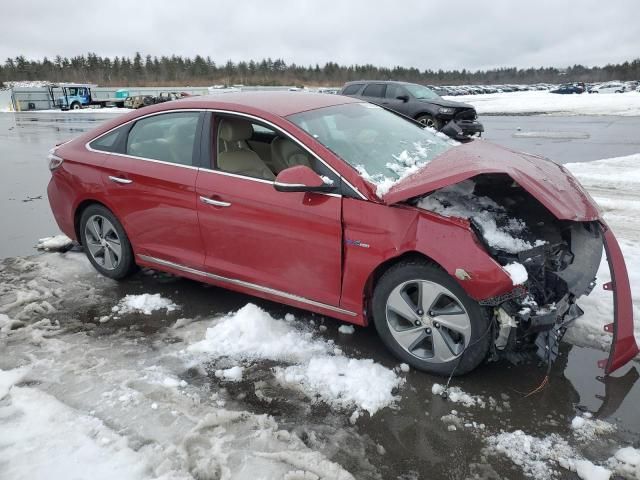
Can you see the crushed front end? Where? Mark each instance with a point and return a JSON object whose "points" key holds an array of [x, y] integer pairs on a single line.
{"points": [[552, 263]]}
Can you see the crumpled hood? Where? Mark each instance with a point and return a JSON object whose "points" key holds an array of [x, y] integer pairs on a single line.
{"points": [[448, 103], [550, 183]]}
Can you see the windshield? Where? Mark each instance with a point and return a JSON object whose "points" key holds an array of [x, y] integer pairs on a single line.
{"points": [[421, 93], [381, 145]]}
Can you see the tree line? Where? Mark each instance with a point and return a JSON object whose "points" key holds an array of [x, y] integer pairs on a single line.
{"points": [[177, 70]]}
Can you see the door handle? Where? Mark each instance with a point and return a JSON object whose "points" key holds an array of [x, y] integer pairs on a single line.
{"points": [[123, 181], [217, 203]]}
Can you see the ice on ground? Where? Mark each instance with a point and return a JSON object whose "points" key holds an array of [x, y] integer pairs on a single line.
{"points": [[319, 370], [8, 378], [457, 395], [498, 229], [346, 329], [624, 104], [233, 374], [343, 382], [517, 272], [146, 303], [253, 334], [55, 243], [587, 429]]}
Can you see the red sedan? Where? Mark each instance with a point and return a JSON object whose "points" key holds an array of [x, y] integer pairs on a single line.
{"points": [[457, 253]]}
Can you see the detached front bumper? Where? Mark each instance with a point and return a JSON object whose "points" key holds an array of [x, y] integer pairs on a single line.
{"points": [[623, 346], [462, 129]]}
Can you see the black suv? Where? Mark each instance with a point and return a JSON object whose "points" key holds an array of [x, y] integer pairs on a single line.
{"points": [[458, 120]]}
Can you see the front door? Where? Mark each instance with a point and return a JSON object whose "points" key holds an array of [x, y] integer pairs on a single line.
{"points": [[290, 242]]}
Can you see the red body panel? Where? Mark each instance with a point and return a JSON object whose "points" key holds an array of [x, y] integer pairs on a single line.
{"points": [[623, 347], [287, 241], [550, 183]]}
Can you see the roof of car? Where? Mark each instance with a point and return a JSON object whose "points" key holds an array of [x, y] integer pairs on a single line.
{"points": [[381, 81], [278, 103]]}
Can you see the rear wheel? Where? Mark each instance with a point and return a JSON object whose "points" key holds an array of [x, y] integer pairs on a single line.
{"points": [[427, 320], [106, 243], [430, 121]]}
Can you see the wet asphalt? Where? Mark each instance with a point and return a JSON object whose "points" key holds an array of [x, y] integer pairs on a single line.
{"points": [[415, 442]]}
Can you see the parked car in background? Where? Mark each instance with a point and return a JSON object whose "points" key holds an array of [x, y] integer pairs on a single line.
{"points": [[341, 207], [568, 89], [611, 87], [420, 103]]}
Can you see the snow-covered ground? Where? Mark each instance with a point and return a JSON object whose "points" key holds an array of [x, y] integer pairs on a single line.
{"points": [[543, 102], [75, 401]]}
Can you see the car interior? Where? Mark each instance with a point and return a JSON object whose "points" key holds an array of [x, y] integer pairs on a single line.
{"points": [[245, 148]]}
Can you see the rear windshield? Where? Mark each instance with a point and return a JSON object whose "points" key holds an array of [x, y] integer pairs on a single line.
{"points": [[379, 144]]}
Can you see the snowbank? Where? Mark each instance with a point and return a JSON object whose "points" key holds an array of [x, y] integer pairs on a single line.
{"points": [[626, 104]]}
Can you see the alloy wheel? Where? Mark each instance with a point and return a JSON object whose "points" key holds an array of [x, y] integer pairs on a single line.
{"points": [[103, 242], [428, 321]]}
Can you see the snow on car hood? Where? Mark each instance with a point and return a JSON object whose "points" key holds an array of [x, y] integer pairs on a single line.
{"points": [[550, 183]]}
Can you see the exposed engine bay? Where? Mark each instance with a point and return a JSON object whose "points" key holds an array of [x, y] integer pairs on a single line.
{"points": [[560, 259]]}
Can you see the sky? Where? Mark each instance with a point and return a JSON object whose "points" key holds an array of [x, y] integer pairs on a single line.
{"points": [[426, 34]]}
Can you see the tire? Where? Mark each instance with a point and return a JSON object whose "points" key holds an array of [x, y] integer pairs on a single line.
{"points": [[146, 101], [106, 243], [76, 106], [429, 121], [429, 345]]}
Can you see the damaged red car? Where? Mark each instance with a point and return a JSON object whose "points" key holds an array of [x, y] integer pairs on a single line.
{"points": [[457, 253]]}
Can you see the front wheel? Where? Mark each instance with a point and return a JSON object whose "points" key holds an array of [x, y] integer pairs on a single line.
{"points": [[106, 243], [428, 321], [76, 106], [430, 121]]}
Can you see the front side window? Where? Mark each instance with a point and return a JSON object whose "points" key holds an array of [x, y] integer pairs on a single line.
{"points": [[422, 93], [374, 90], [168, 137], [378, 143], [394, 91]]}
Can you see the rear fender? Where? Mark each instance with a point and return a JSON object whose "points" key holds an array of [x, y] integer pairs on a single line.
{"points": [[623, 346]]}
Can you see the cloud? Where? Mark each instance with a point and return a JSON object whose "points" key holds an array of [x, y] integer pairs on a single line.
{"points": [[425, 34]]}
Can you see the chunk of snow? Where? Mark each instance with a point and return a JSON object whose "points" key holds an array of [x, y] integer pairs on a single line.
{"points": [[588, 471], [146, 303], [457, 395], [517, 272], [587, 429], [233, 374], [346, 329], [57, 242], [8, 378], [404, 367], [343, 382]]}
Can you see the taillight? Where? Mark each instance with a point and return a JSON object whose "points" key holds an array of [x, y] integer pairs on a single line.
{"points": [[54, 160]]}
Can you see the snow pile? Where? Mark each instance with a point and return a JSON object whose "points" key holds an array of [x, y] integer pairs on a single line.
{"points": [[517, 272], [318, 370], [586, 428], [253, 334], [457, 395], [626, 462], [55, 243], [8, 378], [146, 303], [625, 104], [343, 382], [233, 374], [498, 229]]}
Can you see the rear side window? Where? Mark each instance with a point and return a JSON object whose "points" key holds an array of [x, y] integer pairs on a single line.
{"points": [[108, 142], [169, 137], [352, 89], [374, 90]]}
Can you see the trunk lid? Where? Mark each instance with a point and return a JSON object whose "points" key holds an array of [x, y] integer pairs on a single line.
{"points": [[550, 183]]}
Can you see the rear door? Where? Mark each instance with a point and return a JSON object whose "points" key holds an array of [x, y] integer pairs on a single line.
{"points": [[374, 92], [289, 242], [150, 179]]}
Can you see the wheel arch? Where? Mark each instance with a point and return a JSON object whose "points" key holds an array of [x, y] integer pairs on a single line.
{"points": [[77, 215], [382, 268]]}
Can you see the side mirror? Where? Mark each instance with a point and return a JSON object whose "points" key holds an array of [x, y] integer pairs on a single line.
{"points": [[301, 179], [404, 98]]}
